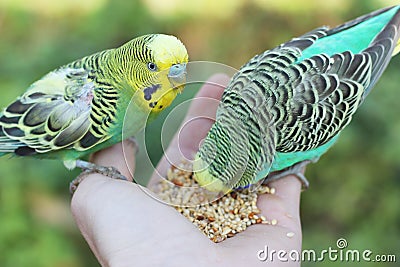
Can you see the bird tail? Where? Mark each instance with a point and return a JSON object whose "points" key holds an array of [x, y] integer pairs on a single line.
{"points": [[385, 45]]}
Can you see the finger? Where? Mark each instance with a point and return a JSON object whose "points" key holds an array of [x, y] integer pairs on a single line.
{"points": [[195, 126], [201, 115], [284, 204], [213, 88], [120, 156]]}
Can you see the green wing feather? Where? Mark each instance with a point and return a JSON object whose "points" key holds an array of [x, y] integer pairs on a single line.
{"points": [[80, 107], [59, 111]]}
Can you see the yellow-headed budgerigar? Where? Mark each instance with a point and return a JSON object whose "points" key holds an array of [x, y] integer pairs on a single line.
{"points": [[287, 106], [80, 107]]}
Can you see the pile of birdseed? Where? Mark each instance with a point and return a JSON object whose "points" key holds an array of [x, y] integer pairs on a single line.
{"points": [[217, 217]]}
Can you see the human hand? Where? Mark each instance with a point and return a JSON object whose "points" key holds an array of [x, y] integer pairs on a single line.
{"points": [[125, 226]]}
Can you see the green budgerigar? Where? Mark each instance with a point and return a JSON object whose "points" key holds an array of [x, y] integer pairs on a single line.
{"points": [[288, 105], [95, 101]]}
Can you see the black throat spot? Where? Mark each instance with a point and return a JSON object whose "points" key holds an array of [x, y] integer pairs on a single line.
{"points": [[149, 91]]}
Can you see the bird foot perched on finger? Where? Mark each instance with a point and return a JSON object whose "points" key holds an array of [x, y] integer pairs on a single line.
{"points": [[89, 168], [296, 170], [73, 185]]}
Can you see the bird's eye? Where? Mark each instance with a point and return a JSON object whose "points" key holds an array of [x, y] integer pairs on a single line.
{"points": [[152, 66]]}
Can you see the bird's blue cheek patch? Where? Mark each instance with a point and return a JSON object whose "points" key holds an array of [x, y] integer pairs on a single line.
{"points": [[149, 91]]}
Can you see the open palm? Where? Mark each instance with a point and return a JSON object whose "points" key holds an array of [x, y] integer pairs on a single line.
{"points": [[125, 226]]}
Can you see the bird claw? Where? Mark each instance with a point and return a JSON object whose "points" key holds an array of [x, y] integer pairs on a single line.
{"points": [[89, 168], [73, 185], [296, 170], [111, 172]]}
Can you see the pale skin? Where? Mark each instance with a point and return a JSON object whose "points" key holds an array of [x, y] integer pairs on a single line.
{"points": [[124, 226]]}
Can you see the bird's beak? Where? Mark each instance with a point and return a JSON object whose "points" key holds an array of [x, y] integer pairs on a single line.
{"points": [[177, 74]]}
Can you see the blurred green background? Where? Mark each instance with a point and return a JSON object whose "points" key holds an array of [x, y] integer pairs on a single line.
{"points": [[355, 188]]}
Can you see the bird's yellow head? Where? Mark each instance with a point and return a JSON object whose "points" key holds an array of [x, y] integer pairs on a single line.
{"points": [[156, 68]]}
